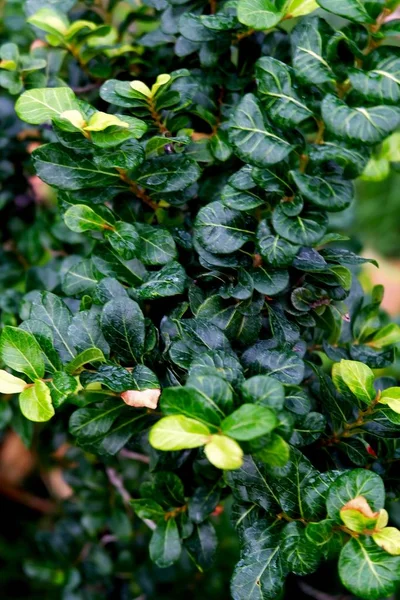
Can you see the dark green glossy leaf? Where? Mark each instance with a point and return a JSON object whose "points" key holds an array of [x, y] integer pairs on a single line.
{"points": [[274, 80], [122, 324], [254, 140]]}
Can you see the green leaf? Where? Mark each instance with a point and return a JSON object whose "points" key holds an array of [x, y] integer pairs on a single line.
{"points": [[298, 552], [35, 402], [360, 124], [264, 390], [381, 84], [9, 384], [274, 249], [350, 485], [52, 311], [326, 537], [274, 80], [275, 452], [292, 482], [284, 365], [122, 324], [298, 8], [202, 545], [178, 432], [240, 199], [191, 403], [389, 540], [157, 246], [254, 141], [357, 377], [165, 544], [203, 502], [62, 386], [388, 335], [260, 14], [252, 484], [169, 281], [167, 173], [391, 397], [85, 332], [146, 508], [40, 105], [20, 351], [333, 193], [128, 156], [367, 570], [63, 168], [349, 9], [89, 355], [249, 421], [309, 40], [270, 282], [222, 230], [261, 572], [305, 229], [80, 217], [124, 239], [51, 20], [81, 278], [224, 453]]}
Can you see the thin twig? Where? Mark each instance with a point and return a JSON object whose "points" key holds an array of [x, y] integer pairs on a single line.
{"points": [[116, 480], [134, 456]]}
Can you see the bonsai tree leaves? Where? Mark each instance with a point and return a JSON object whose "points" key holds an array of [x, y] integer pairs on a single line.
{"points": [[183, 306]]}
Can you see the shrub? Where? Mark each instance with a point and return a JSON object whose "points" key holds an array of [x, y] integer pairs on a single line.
{"points": [[187, 321]]}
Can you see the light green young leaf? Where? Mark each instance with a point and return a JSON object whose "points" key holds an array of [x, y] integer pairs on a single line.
{"points": [[249, 421], [9, 384], [87, 356], [260, 14], [357, 377], [50, 20], [20, 351], [298, 8], [391, 397], [388, 335], [80, 217], [389, 540], [224, 453], [42, 104], [177, 432], [35, 402], [101, 120]]}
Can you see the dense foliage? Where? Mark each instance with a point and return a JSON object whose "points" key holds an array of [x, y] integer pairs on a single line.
{"points": [[185, 328]]}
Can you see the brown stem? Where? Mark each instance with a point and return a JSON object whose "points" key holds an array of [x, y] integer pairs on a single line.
{"points": [[155, 115], [213, 6], [138, 191], [40, 504], [319, 138], [134, 456]]}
